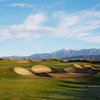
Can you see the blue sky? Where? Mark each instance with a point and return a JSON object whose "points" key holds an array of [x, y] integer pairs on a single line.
{"points": [[37, 26]]}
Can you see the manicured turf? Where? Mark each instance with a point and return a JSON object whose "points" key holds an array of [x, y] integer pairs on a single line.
{"points": [[17, 87]]}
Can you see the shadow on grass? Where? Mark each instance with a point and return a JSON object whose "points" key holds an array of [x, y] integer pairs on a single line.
{"points": [[70, 95], [42, 74], [93, 81], [68, 90]]}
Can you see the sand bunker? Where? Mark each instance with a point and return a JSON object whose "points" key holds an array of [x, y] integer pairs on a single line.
{"points": [[78, 66], [69, 75], [87, 66], [76, 70], [96, 68], [41, 69], [78, 75], [22, 71]]}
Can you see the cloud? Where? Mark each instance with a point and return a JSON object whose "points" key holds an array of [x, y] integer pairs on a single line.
{"points": [[28, 28], [4, 34], [22, 5], [83, 25]]}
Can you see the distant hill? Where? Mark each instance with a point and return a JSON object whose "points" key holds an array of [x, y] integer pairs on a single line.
{"points": [[16, 57], [64, 54]]}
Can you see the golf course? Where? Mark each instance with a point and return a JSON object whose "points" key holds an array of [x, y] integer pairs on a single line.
{"points": [[58, 81]]}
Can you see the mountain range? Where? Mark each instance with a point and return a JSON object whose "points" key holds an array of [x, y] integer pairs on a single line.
{"points": [[64, 54]]}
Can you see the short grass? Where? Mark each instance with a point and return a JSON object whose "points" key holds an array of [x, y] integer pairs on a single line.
{"points": [[17, 87]]}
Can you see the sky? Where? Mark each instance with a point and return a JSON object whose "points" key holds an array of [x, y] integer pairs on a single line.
{"points": [[41, 26]]}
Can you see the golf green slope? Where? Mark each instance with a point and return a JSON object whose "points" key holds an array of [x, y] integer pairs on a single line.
{"points": [[18, 87]]}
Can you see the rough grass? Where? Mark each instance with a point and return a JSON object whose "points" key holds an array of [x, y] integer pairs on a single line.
{"points": [[49, 89], [17, 87]]}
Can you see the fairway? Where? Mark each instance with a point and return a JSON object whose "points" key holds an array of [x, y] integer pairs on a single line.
{"points": [[18, 87]]}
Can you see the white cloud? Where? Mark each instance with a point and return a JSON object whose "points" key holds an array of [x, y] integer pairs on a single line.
{"points": [[23, 5], [80, 25], [28, 28], [4, 34]]}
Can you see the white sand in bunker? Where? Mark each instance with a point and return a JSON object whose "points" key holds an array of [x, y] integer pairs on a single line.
{"points": [[96, 68], [41, 69], [78, 66], [44, 71], [76, 70], [87, 66], [23, 71]]}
